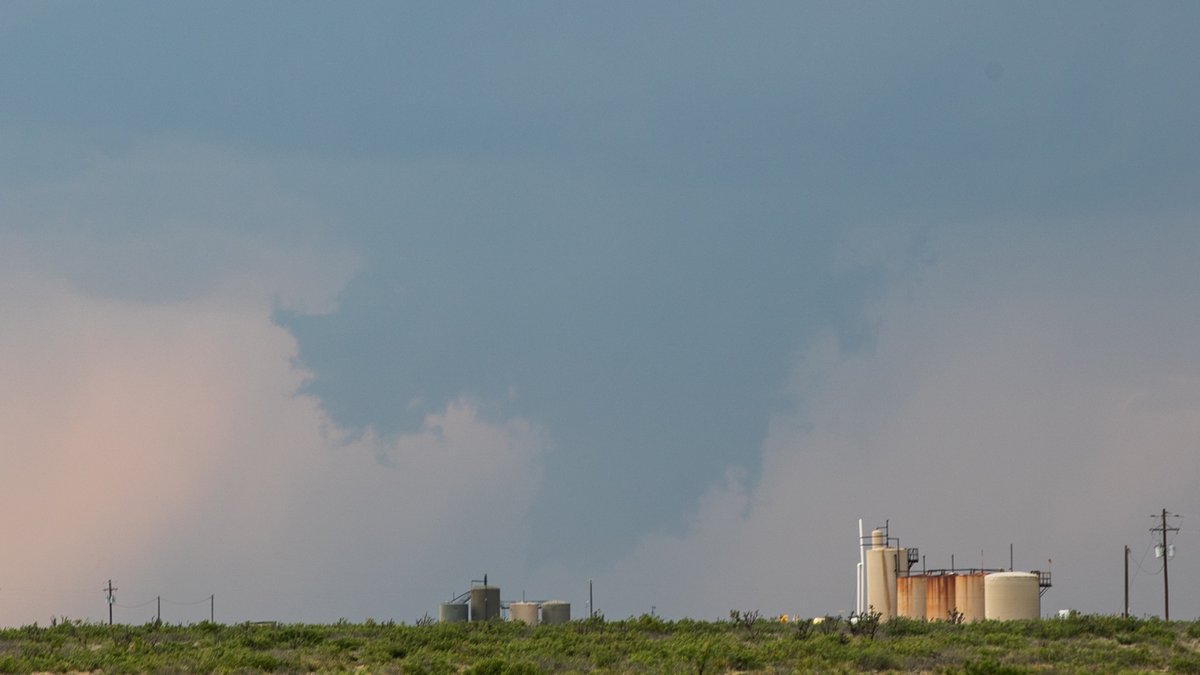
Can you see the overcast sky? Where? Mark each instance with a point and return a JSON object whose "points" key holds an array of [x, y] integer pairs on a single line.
{"points": [[329, 309]]}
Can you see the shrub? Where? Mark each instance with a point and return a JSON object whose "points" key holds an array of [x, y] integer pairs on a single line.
{"points": [[991, 667], [875, 660], [865, 624], [1185, 663], [828, 624], [745, 619], [650, 623], [901, 626], [496, 666]]}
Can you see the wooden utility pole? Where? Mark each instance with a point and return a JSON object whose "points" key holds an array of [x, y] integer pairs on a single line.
{"points": [[112, 599], [1165, 556], [1125, 613]]}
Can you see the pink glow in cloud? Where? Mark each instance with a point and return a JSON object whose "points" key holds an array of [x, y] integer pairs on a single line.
{"points": [[163, 445]]}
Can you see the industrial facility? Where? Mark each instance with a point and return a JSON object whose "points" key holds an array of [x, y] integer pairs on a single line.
{"points": [[481, 602], [888, 583]]}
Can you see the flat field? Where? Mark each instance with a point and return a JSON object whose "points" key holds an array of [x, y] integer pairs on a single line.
{"points": [[646, 644]]}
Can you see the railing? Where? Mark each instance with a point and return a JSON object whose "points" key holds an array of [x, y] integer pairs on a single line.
{"points": [[1043, 581]]}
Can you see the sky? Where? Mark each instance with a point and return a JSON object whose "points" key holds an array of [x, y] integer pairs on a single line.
{"points": [[314, 311]]}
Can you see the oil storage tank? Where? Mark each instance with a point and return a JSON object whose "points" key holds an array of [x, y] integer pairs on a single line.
{"points": [[910, 597], [939, 596], [452, 612], [485, 603], [884, 565], [969, 596], [523, 611], [556, 611], [1012, 596]]}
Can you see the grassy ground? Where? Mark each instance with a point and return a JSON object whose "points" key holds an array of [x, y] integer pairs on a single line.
{"points": [[642, 645]]}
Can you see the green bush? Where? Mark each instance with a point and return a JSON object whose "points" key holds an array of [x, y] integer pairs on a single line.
{"points": [[494, 666], [876, 660], [1185, 663], [643, 644], [991, 667], [901, 626]]}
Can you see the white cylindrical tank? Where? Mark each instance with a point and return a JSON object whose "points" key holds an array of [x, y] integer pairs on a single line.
{"points": [[452, 612], [556, 611], [1011, 596], [969, 597], [523, 611], [910, 597], [485, 603]]}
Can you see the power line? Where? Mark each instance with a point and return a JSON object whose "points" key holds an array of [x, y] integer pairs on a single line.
{"points": [[140, 604], [193, 602], [1139, 562]]}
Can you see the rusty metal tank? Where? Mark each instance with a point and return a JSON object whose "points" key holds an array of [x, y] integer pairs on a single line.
{"points": [[939, 596], [969, 598], [910, 596]]}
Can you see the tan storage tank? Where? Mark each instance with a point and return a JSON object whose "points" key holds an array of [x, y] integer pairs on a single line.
{"points": [[883, 566], [910, 597], [556, 611], [939, 596], [1012, 596], [485, 603], [969, 596], [452, 612], [523, 611]]}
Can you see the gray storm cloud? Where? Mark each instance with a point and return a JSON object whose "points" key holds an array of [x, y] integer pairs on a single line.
{"points": [[1038, 400]]}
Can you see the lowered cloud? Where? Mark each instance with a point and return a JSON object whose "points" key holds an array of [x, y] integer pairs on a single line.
{"points": [[157, 438], [1044, 397]]}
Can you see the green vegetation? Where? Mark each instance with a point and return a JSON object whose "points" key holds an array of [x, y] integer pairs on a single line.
{"points": [[647, 644]]}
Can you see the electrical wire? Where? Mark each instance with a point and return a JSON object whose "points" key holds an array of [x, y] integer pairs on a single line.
{"points": [[196, 602], [140, 604], [1138, 564]]}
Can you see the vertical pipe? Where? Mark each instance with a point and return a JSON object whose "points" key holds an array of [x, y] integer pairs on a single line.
{"points": [[858, 587], [858, 607]]}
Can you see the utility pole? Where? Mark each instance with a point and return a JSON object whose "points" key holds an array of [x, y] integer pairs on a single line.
{"points": [[212, 603], [1166, 555], [112, 599], [158, 614], [1125, 613]]}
